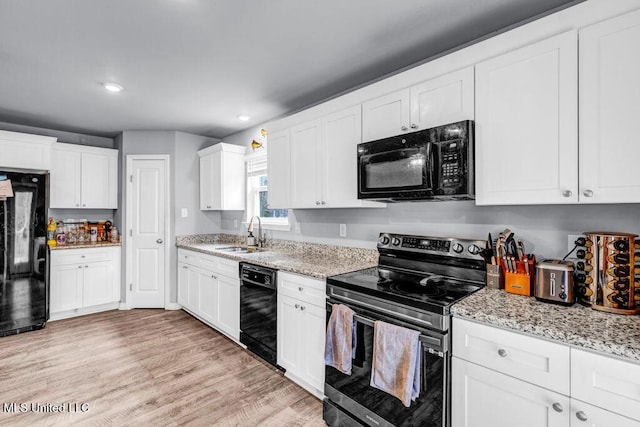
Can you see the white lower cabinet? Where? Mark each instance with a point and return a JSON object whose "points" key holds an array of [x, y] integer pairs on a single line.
{"points": [[482, 397], [84, 280], [209, 289], [503, 378], [301, 330]]}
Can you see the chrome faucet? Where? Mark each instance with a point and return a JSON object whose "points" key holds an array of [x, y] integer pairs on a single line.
{"points": [[259, 238]]}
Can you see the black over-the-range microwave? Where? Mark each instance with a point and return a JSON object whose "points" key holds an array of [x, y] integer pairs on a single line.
{"points": [[430, 164]]}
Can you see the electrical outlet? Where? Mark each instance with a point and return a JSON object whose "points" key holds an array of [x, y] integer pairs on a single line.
{"points": [[297, 227], [235, 223], [184, 212], [343, 230], [571, 240]]}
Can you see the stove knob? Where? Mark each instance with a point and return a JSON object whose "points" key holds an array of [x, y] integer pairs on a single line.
{"points": [[395, 241], [384, 240], [457, 248], [473, 249]]}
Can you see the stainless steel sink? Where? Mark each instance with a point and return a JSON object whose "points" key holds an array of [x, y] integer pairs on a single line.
{"points": [[238, 249]]}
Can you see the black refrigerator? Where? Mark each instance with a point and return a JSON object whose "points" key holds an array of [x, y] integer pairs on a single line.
{"points": [[24, 270]]}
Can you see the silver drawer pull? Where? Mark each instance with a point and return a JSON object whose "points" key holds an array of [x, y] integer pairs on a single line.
{"points": [[300, 288], [581, 416], [302, 307], [297, 306], [502, 352], [557, 407]]}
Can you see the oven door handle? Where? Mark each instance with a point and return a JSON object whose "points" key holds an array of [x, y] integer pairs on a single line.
{"points": [[425, 339]]}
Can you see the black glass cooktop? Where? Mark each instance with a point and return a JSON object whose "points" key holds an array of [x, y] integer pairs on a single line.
{"points": [[430, 291]]}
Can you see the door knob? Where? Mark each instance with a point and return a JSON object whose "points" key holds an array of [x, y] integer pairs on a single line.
{"points": [[587, 193], [159, 241], [567, 193]]}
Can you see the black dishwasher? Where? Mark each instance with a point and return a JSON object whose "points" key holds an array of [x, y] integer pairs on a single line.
{"points": [[259, 310]]}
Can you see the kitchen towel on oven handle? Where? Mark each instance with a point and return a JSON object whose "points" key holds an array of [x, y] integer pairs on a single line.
{"points": [[340, 343], [395, 368]]}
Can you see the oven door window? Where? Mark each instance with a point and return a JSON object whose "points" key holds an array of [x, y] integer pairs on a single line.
{"points": [[405, 169], [428, 409]]}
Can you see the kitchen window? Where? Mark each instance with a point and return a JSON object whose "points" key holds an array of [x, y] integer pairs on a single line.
{"points": [[257, 195]]}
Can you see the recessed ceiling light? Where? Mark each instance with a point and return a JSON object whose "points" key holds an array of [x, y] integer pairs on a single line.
{"points": [[112, 87], [243, 117]]}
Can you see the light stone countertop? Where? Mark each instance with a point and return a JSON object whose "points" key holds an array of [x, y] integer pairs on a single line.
{"points": [[84, 245], [578, 326], [309, 259]]}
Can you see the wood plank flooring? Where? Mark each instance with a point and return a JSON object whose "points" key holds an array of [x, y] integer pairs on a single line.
{"points": [[143, 367]]}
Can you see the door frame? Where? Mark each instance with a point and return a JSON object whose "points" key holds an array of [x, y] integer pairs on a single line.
{"points": [[129, 221]]}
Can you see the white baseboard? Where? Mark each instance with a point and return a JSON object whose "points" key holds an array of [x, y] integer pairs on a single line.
{"points": [[82, 311], [172, 306], [124, 306]]}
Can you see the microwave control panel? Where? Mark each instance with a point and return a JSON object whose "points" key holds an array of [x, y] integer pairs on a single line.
{"points": [[452, 167]]}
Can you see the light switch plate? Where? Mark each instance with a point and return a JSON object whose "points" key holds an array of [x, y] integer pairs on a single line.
{"points": [[235, 223], [184, 212], [343, 230], [297, 227]]}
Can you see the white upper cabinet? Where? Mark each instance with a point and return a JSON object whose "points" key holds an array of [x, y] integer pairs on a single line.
{"points": [[84, 177], [324, 162], [609, 110], [25, 151], [306, 165], [526, 124], [222, 177], [279, 169], [439, 101]]}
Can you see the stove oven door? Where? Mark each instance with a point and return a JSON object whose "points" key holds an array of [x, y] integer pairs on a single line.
{"points": [[350, 400]]}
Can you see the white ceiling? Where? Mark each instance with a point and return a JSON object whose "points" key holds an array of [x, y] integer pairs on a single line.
{"points": [[194, 65]]}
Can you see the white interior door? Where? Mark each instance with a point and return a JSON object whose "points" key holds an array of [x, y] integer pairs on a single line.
{"points": [[147, 239]]}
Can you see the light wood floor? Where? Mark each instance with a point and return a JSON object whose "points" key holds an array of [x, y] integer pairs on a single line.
{"points": [[144, 367]]}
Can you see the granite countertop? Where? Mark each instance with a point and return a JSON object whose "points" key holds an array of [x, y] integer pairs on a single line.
{"points": [[309, 259], [578, 326], [84, 245]]}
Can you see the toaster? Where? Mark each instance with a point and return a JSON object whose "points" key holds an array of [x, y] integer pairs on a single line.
{"points": [[554, 281]]}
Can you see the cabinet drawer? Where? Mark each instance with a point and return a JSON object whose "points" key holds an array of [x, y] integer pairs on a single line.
{"points": [[228, 267], [188, 257], [583, 414], [531, 359], [80, 255], [606, 382], [208, 262], [302, 288]]}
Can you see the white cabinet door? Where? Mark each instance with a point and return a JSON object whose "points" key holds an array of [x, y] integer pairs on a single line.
{"points": [[208, 295], [206, 183], [386, 116], [526, 124], [306, 165], [65, 179], [66, 287], [193, 291], [98, 283], [279, 170], [609, 108], [312, 330], [585, 415], [99, 181], [289, 343], [183, 283], [443, 100], [341, 135], [228, 309], [482, 397]]}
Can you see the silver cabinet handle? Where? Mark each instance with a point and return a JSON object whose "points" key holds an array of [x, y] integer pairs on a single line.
{"points": [[581, 416], [86, 266], [403, 128], [300, 288], [79, 266], [159, 241], [297, 306], [77, 205], [502, 352], [302, 307], [323, 202], [567, 193], [557, 407], [414, 126], [317, 203], [184, 266], [208, 206], [213, 277], [587, 193], [83, 205]]}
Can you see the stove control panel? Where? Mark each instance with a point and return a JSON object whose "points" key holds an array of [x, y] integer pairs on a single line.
{"points": [[461, 248]]}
